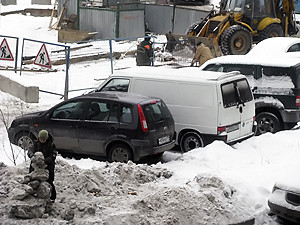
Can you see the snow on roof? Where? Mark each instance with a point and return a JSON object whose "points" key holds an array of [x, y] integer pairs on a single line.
{"points": [[275, 60], [186, 73], [273, 45]]}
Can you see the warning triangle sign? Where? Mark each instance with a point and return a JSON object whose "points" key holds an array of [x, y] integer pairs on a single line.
{"points": [[42, 58], [5, 53]]}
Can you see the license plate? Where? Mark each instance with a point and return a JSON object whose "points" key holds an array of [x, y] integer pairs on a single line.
{"points": [[163, 140], [233, 128]]}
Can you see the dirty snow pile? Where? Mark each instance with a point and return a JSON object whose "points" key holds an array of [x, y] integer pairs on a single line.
{"points": [[120, 193]]}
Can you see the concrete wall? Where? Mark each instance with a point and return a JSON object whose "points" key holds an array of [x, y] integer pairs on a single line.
{"points": [[27, 94]]}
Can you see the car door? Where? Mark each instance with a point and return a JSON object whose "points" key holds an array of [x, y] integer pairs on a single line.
{"points": [[97, 128], [64, 123], [238, 109]]}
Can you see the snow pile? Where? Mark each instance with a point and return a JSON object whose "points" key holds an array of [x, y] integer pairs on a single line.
{"points": [[119, 193]]}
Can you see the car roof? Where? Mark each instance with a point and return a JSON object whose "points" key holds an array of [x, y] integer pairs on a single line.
{"points": [[124, 97], [275, 45], [183, 74], [275, 61]]}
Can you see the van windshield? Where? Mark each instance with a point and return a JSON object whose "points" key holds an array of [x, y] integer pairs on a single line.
{"points": [[118, 84], [235, 93], [156, 111]]}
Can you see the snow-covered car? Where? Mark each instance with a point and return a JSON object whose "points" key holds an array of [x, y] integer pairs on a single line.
{"points": [[115, 125], [275, 82], [285, 200], [276, 46]]}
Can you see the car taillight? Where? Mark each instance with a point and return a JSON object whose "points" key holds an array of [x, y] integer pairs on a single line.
{"points": [[221, 129], [297, 100], [142, 119]]}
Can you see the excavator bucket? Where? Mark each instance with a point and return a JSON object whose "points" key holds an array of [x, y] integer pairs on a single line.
{"points": [[181, 39]]}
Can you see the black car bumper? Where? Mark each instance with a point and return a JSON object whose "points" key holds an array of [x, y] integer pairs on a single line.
{"points": [[144, 148], [284, 212], [290, 116]]}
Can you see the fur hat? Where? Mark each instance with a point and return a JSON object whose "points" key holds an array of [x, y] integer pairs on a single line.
{"points": [[43, 135]]}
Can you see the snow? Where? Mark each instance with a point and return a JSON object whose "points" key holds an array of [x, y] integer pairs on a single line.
{"points": [[218, 184]]}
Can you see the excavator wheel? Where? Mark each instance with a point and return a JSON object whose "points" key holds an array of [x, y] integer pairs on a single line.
{"points": [[236, 40], [273, 30]]}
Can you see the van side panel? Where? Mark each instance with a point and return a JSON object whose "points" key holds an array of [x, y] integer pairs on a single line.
{"points": [[189, 107], [197, 110]]}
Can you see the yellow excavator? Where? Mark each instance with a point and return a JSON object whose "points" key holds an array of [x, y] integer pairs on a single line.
{"points": [[240, 23]]}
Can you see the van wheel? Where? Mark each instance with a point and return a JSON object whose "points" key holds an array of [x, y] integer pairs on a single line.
{"points": [[25, 140], [267, 122], [190, 141], [119, 153]]}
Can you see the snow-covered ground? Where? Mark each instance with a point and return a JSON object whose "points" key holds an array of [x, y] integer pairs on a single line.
{"points": [[218, 184]]}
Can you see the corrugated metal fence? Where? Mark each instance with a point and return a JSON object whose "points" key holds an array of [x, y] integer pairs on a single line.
{"points": [[129, 20]]}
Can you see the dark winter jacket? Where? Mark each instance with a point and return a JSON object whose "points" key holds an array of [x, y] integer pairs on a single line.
{"points": [[48, 149], [144, 54]]}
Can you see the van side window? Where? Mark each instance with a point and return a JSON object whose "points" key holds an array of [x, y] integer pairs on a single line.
{"points": [[235, 93], [117, 84]]}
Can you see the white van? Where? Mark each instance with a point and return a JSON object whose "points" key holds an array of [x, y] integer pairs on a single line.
{"points": [[206, 106]]}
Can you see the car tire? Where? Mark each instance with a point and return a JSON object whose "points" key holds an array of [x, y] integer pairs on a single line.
{"points": [[267, 122], [236, 40], [273, 30], [120, 153], [25, 140], [191, 140]]}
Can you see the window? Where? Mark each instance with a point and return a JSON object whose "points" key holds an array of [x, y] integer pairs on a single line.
{"points": [[235, 93], [156, 111], [70, 110], [102, 111], [294, 48], [126, 114], [243, 69], [214, 67], [117, 84]]}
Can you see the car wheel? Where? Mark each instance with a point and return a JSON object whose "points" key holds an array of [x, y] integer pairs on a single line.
{"points": [[191, 140], [267, 122], [273, 30], [119, 153], [236, 40], [25, 140]]}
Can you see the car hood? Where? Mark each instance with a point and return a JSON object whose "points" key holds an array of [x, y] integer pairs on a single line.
{"points": [[29, 115], [290, 183]]}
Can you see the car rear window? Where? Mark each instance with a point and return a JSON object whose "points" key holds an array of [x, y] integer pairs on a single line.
{"points": [[156, 111], [235, 93]]}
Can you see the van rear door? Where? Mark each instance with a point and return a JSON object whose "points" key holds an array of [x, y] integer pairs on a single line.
{"points": [[237, 111]]}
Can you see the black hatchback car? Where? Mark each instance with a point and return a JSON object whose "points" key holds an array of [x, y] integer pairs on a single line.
{"points": [[117, 125]]}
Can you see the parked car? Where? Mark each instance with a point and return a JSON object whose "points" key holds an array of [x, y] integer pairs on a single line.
{"points": [[285, 200], [213, 106], [276, 46], [119, 126], [275, 82]]}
